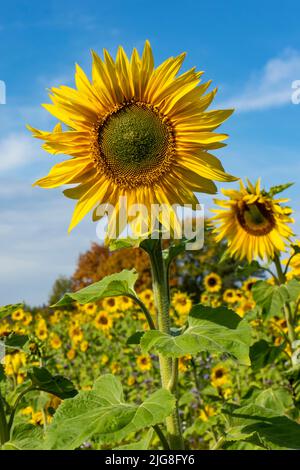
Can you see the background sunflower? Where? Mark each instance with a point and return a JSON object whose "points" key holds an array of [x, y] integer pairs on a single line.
{"points": [[253, 222]]}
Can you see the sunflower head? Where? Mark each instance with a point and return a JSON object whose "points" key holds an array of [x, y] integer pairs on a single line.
{"points": [[212, 282], [137, 131], [253, 222], [144, 363], [219, 376]]}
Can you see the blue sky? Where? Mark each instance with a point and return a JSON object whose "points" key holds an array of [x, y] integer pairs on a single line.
{"points": [[251, 51]]}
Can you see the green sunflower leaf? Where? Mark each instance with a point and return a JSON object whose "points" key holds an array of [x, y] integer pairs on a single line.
{"points": [[102, 414], [270, 298], [218, 330], [2, 373], [25, 437], [263, 353], [55, 384], [114, 285], [279, 189], [179, 247], [15, 341], [135, 338], [121, 243], [143, 444], [263, 424], [293, 287]]}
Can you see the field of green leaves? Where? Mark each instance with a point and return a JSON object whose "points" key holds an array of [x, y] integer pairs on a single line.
{"points": [[85, 374]]}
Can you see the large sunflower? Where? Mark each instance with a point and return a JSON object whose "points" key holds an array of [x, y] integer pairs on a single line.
{"points": [[253, 222], [134, 131]]}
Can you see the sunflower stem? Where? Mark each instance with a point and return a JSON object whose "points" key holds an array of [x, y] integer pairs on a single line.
{"points": [[4, 431], [168, 367], [287, 308]]}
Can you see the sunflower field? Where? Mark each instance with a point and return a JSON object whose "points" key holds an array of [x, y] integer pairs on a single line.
{"points": [[191, 349]]}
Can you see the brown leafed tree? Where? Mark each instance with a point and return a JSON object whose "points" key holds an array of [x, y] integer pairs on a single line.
{"points": [[99, 262]]}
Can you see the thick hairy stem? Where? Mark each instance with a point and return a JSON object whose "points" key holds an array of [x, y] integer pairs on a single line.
{"points": [[168, 367]]}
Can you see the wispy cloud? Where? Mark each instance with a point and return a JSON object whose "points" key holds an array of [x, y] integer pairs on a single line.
{"points": [[35, 247], [16, 150], [269, 87]]}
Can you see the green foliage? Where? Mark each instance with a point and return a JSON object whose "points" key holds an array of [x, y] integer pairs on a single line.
{"points": [[263, 353], [16, 341], [143, 444], [263, 421], [116, 284], [7, 310], [60, 287], [293, 377], [25, 437], [121, 243], [103, 414], [248, 269], [58, 385], [274, 190], [273, 298], [135, 338], [216, 330], [2, 374], [270, 298]]}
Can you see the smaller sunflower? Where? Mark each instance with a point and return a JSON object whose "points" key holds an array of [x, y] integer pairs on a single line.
{"points": [[27, 318], [115, 368], [104, 359], [90, 308], [219, 376], [42, 330], [76, 334], [204, 299], [84, 345], [125, 303], [28, 410], [184, 363], [253, 222], [71, 354], [131, 381], [18, 314], [103, 321], [206, 413], [144, 363], [110, 304], [55, 341], [229, 296], [212, 282], [55, 317], [239, 295], [182, 303], [248, 284], [147, 297], [5, 329], [245, 305]]}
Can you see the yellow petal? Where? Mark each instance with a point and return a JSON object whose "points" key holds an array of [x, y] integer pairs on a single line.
{"points": [[63, 172], [86, 203]]}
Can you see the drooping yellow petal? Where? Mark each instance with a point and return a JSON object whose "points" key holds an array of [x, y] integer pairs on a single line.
{"points": [[86, 203], [63, 172]]}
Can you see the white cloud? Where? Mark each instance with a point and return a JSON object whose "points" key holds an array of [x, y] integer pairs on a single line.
{"points": [[269, 87], [16, 150], [35, 247]]}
